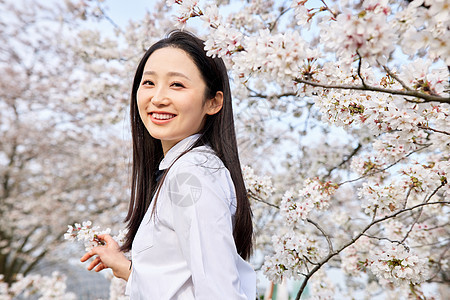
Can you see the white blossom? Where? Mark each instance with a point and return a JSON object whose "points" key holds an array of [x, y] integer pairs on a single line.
{"points": [[291, 252], [397, 265], [259, 186]]}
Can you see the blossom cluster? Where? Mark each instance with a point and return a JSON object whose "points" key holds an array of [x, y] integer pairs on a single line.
{"points": [[415, 179], [366, 32], [322, 287], [259, 186], [423, 26], [382, 199], [397, 265], [45, 287], [314, 195], [420, 234], [223, 41], [186, 10], [88, 234], [355, 257], [280, 57], [420, 178], [292, 252], [366, 164]]}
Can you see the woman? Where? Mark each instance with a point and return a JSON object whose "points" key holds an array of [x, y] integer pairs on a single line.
{"points": [[189, 219]]}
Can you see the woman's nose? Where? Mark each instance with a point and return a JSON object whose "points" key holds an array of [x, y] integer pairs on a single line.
{"points": [[160, 97]]}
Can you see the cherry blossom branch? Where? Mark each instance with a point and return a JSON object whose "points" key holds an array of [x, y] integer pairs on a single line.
{"points": [[254, 197], [432, 129], [353, 240], [260, 95], [390, 73], [385, 168], [272, 25], [439, 263], [408, 192], [419, 214], [345, 160], [413, 93], [328, 8], [384, 239], [310, 261], [359, 70], [330, 245], [327, 237], [109, 19]]}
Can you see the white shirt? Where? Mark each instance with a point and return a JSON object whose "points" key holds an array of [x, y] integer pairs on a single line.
{"points": [[186, 250]]}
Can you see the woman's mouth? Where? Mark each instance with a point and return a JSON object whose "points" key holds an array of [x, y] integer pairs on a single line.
{"points": [[161, 118]]}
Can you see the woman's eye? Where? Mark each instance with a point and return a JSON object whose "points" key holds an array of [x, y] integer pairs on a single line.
{"points": [[177, 84], [147, 82]]}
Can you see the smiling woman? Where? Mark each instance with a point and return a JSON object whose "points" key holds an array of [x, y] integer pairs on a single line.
{"points": [[189, 219], [171, 97]]}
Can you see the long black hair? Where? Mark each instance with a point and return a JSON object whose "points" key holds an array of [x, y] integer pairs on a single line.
{"points": [[218, 132]]}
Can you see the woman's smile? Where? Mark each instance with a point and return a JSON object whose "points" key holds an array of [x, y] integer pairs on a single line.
{"points": [[161, 117]]}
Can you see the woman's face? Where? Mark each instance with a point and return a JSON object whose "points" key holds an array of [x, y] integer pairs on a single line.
{"points": [[171, 95]]}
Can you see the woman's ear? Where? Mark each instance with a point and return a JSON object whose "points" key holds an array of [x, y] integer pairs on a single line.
{"points": [[215, 104]]}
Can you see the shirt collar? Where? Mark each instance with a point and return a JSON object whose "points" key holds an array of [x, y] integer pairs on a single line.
{"points": [[177, 149]]}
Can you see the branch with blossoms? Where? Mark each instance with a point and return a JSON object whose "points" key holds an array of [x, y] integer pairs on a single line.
{"points": [[370, 225], [89, 235], [374, 171], [366, 87], [353, 240], [30, 286], [332, 253], [227, 41]]}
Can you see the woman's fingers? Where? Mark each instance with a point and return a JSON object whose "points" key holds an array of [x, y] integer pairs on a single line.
{"points": [[107, 238], [86, 256], [106, 256], [97, 261], [100, 267]]}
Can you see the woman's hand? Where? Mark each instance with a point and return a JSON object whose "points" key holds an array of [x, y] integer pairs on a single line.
{"points": [[109, 256]]}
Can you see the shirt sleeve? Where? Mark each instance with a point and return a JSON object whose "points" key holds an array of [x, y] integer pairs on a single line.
{"points": [[202, 201]]}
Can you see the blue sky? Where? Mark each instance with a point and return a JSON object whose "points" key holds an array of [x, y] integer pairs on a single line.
{"points": [[121, 11]]}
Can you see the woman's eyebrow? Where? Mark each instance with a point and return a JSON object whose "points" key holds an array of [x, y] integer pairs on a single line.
{"points": [[170, 74]]}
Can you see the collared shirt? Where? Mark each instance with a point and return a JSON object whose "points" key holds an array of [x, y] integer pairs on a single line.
{"points": [[186, 249]]}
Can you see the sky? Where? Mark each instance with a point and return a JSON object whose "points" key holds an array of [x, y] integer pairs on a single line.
{"points": [[121, 11]]}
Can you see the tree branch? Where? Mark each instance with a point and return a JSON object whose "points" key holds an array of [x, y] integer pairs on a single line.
{"points": [[386, 168], [328, 8], [260, 95], [254, 197], [412, 93], [346, 159], [353, 240], [419, 214], [432, 129], [390, 73], [359, 70], [384, 239], [272, 25], [327, 237]]}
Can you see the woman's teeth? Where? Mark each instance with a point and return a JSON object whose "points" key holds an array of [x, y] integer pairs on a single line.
{"points": [[162, 116]]}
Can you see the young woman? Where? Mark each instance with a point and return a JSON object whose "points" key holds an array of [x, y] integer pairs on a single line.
{"points": [[189, 220]]}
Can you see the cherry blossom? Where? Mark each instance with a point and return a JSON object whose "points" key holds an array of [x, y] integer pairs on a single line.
{"points": [[398, 266], [342, 114]]}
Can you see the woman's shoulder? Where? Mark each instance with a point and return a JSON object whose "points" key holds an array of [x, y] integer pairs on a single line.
{"points": [[202, 170], [203, 162], [200, 157]]}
